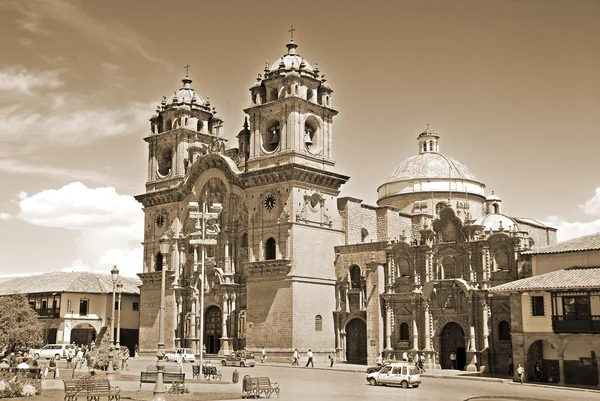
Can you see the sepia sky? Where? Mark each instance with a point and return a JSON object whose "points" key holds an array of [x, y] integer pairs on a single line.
{"points": [[512, 88]]}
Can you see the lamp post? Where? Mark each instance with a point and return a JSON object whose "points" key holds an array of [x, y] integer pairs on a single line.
{"points": [[111, 354], [119, 291], [159, 387]]}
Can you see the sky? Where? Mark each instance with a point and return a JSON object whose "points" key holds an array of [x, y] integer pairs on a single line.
{"points": [[511, 87]]}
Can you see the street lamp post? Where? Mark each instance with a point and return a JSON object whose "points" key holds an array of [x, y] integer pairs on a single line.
{"points": [[159, 387], [111, 354], [119, 291]]}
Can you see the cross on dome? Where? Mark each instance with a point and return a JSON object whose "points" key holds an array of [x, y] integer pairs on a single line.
{"points": [[187, 69]]}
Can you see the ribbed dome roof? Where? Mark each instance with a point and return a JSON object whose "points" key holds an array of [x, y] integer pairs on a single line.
{"points": [[186, 94], [492, 222], [291, 60], [430, 165]]}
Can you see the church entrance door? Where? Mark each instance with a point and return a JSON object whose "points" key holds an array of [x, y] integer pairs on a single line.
{"points": [[212, 330], [452, 340], [356, 341]]}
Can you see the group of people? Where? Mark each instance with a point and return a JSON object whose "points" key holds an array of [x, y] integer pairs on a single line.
{"points": [[310, 358], [21, 361]]}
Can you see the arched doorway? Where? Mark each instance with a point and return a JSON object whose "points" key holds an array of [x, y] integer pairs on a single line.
{"points": [[84, 334], [580, 363], [452, 340], [212, 330], [356, 341], [544, 354]]}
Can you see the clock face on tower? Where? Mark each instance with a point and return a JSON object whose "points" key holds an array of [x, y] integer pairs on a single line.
{"points": [[269, 202]]}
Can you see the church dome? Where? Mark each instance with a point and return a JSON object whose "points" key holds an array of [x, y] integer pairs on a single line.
{"points": [[431, 165], [291, 60], [495, 221], [186, 94]]}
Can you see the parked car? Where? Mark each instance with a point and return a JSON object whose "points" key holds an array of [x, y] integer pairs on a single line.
{"points": [[371, 369], [401, 374], [239, 358], [187, 353], [50, 351]]}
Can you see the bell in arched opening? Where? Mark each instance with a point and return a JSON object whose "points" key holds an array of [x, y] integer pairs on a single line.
{"points": [[275, 137], [307, 138]]}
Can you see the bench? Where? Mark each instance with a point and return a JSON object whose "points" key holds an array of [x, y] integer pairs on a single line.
{"points": [[255, 386], [91, 389], [211, 372], [172, 374]]}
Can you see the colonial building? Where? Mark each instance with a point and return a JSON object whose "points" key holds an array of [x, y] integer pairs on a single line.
{"points": [[555, 316], [290, 264], [77, 307]]}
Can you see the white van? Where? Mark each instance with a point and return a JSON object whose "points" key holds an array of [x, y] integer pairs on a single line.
{"points": [[50, 351], [401, 374]]}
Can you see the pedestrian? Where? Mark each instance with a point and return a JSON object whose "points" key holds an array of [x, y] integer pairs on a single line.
{"points": [[379, 360], [263, 355], [520, 372], [551, 377], [453, 360], [538, 372], [125, 359], [511, 366], [420, 360], [405, 356], [331, 359], [309, 354], [295, 357], [137, 351]]}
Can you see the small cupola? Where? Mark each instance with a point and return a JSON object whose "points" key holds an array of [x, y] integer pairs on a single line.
{"points": [[428, 141], [493, 204]]}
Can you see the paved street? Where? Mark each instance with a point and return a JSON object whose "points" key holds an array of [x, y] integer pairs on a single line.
{"points": [[343, 383]]}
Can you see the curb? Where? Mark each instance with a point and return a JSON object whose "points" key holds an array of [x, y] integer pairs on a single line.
{"points": [[552, 386]]}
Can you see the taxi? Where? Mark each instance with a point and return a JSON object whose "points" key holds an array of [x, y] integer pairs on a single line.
{"points": [[400, 374]]}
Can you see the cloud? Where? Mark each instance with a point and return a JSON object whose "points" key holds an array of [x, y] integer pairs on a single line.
{"points": [[591, 207], [19, 80], [78, 124], [14, 166], [568, 230], [5, 216], [118, 39], [110, 226]]}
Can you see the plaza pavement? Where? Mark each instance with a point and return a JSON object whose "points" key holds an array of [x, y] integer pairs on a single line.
{"points": [[130, 377]]}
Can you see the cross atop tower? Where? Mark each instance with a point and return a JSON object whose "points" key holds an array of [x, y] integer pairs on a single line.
{"points": [[291, 31], [187, 69]]}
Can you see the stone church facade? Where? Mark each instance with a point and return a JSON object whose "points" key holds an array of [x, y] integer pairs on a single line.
{"points": [[290, 264]]}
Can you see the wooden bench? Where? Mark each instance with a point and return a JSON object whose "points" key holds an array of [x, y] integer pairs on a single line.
{"points": [[172, 374], [255, 386], [90, 389]]}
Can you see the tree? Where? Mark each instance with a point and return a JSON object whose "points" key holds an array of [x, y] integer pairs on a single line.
{"points": [[19, 324], [102, 351]]}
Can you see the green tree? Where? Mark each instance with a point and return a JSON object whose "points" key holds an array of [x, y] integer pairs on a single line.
{"points": [[19, 324]]}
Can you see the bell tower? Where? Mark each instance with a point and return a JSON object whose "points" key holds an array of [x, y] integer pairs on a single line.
{"points": [[291, 115]]}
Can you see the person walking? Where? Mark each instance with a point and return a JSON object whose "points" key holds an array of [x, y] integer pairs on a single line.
{"points": [[263, 355], [419, 363], [538, 372], [511, 366], [379, 360], [521, 373], [405, 356], [309, 354], [295, 357], [137, 352], [331, 359], [453, 360]]}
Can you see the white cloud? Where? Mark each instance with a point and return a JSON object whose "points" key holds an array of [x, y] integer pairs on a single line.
{"points": [[568, 230], [5, 216], [110, 226], [591, 207], [19, 80]]}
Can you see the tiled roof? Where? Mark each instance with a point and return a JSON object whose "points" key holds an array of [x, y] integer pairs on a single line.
{"points": [[533, 222], [571, 278], [84, 282], [585, 243]]}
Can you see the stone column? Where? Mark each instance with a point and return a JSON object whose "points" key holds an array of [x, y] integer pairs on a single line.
{"points": [[427, 328], [179, 271], [195, 258], [415, 329], [224, 335], [471, 270], [232, 316], [561, 370], [472, 351], [486, 330], [388, 328]]}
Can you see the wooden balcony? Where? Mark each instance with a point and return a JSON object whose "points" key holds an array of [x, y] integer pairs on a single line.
{"points": [[576, 324], [48, 312]]}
